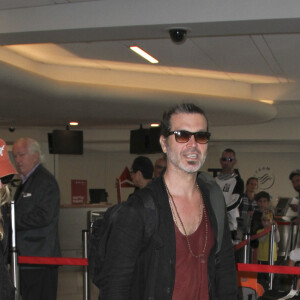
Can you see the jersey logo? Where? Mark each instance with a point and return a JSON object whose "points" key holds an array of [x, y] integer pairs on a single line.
{"points": [[226, 187]]}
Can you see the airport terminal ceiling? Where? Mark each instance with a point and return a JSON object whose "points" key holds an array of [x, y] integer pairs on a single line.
{"points": [[101, 83]]}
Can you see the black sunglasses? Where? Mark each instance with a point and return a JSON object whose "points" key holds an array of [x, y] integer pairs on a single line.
{"points": [[183, 136], [6, 179], [227, 159]]}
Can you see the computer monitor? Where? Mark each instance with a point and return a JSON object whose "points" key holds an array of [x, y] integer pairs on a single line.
{"points": [[98, 195], [282, 206], [65, 142]]}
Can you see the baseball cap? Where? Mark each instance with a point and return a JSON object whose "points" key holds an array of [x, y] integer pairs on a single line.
{"points": [[295, 172], [6, 167]]}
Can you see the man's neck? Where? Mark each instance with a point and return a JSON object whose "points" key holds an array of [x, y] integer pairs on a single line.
{"points": [[250, 195], [225, 172], [25, 177], [145, 183], [180, 183]]}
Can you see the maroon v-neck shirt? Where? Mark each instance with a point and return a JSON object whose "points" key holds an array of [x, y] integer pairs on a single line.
{"points": [[191, 278]]}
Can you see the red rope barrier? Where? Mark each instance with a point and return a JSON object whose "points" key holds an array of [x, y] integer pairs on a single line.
{"points": [[240, 245], [267, 269], [283, 223], [252, 237], [38, 260], [259, 235]]}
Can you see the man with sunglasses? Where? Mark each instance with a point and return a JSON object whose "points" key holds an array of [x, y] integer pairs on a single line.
{"points": [[183, 258], [141, 171], [232, 186], [37, 209]]}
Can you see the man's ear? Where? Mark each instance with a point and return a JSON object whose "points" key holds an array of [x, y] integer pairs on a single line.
{"points": [[163, 142], [36, 157], [138, 175]]}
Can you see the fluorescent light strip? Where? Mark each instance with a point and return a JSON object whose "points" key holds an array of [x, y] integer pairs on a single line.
{"points": [[267, 101], [144, 54]]}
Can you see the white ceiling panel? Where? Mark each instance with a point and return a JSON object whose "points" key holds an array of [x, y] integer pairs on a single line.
{"points": [[11, 4], [234, 54], [285, 48]]}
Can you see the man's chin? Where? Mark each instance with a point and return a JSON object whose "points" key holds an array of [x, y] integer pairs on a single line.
{"points": [[193, 167]]}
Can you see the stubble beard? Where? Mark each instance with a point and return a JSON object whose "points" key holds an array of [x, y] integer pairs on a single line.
{"points": [[297, 188], [191, 166]]}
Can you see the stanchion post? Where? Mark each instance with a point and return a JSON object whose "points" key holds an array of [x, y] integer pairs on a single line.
{"points": [[292, 237], [246, 249], [271, 254], [14, 254], [86, 285], [288, 243], [295, 240]]}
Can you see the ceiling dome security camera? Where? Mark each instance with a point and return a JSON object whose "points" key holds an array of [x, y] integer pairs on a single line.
{"points": [[178, 36]]}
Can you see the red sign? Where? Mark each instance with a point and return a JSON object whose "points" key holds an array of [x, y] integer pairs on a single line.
{"points": [[123, 181], [78, 191]]}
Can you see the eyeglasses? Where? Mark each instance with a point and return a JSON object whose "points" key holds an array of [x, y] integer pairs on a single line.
{"points": [[6, 179], [227, 159], [183, 136]]}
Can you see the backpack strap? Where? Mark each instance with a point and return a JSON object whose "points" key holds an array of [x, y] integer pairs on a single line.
{"points": [[150, 211], [217, 201], [151, 228]]}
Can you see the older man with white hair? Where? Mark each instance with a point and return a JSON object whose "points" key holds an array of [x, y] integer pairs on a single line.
{"points": [[37, 209]]}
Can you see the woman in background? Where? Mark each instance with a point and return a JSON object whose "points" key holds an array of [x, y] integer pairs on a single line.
{"points": [[7, 172]]}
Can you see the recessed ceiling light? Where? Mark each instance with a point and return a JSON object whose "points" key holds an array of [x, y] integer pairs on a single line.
{"points": [[73, 123], [144, 54]]}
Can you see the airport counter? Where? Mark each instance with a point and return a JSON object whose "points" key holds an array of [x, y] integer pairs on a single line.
{"points": [[72, 220]]}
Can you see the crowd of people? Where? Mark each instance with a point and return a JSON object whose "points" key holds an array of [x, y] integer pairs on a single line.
{"points": [[193, 236]]}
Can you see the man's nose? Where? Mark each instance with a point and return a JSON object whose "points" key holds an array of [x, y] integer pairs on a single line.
{"points": [[192, 142], [16, 159]]}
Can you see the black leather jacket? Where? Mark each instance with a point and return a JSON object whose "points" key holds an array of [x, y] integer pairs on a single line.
{"points": [[136, 268]]}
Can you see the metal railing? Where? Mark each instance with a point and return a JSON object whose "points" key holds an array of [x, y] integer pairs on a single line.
{"points": [[15, 266]]}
